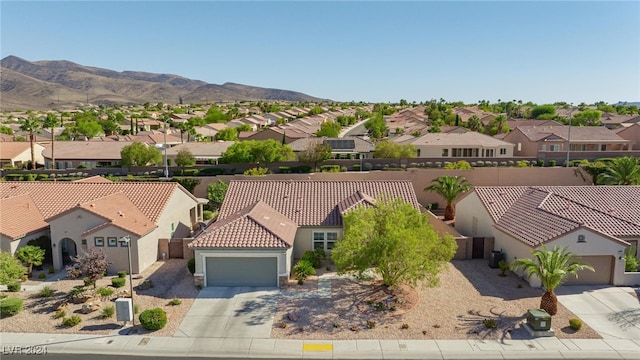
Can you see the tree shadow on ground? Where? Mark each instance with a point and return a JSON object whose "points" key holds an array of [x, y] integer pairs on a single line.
{"points": [[260, 310], [110, 326], [490, 283], [508, 327], [41, 305], [626, 318], [168, 281]]}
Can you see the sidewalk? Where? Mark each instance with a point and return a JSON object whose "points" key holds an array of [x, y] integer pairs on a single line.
{"points": [[542, 348]]}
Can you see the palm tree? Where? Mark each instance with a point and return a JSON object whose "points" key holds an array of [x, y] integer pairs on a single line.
{"points": [[50, 122], [552, 267], [449, 187], [621, 171], [31, 125]]}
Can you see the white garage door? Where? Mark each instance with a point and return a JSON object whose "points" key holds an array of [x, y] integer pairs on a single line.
{"points": [[602, 276], [242, 271]]}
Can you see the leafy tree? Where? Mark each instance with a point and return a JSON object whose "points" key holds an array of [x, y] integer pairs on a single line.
{"points": [[498, 125], [90, 129], [620, 171], [243, 127], [543, 112], [552, 267], [50, 122], [376, 126], [587, 118], [392, 150], [227, 134], [316, 110], [315, 153], [11, 269], [32, 126], [215, 115], [93, 263], [30, 255], [216, 192], [329, 129], [186, 127], [140, 154], [449, 187], [109, 127], [254, 151], [185, 158], [394, 238]]}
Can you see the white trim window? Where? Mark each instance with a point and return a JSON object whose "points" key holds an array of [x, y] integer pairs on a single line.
{"points": [[324, 240]]}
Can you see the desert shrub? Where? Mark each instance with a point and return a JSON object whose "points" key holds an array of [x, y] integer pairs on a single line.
{"points": [[284, 169], [29, 177], [575, 324], [77, 291], [175, 301], [371, 324], [630, 260], [42, 276], [552, 163], [257, 171], [43, 176], [122, 274], [461, 165], [313, 258], [330, 168], [60, 314], [207, 214], [540, 163], [191, 265], [211, 171], [71, 321], [136, 309], [105, 292], [118, 282], [490, 323], [14, 286], [320, 253], [356, 167], [303, 269], [504, 266], [190, 172], [73, 273], [46, 292], [108, 311], [10, 306], [153, 319], [522, 163], [87, 281], [404, 326]]}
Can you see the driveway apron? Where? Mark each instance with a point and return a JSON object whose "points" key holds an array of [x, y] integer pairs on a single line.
{"points": [[614, 312], [231, 312]]}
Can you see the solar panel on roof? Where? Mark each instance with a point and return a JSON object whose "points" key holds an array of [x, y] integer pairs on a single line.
{"points": [[341, 144]]}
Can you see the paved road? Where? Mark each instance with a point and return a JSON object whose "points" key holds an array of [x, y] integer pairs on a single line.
{"points": [[614, 312], [231, 312]]}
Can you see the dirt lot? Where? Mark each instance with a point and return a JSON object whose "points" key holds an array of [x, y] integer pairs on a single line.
{"points": [[170, 278], [469, 292]]}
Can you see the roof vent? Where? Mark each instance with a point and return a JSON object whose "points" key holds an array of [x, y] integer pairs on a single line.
{"points": [[266, 217]]}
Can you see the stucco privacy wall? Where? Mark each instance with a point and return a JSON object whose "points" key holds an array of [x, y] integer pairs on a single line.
{"points": [[421, 178], [470, 221]]}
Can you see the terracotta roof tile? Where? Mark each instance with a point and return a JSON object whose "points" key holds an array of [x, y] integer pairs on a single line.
{"points": [[255, 226], [118, 210], [19, 216], [11, 149]]}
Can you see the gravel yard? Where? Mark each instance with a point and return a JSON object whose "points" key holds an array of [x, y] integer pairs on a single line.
{"points": [[170, 278], [469, 292]]}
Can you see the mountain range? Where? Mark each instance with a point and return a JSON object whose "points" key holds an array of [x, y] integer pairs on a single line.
{"points": [[39, 85]]}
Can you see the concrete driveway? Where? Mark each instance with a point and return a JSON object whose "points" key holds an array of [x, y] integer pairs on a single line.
{"points": [[614, 312], [231, 312]]}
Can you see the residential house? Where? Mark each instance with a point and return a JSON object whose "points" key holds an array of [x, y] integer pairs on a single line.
{"points": [[288, 135], [613, 121], [94, 213], [597, 223], [631, 133], [457, 144], [549, 142], [204, 152], [209, 131], [348, 147], [18, 153], [90, 154], [264, 224]]}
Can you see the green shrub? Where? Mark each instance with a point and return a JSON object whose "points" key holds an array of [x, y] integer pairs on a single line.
{"points": [[71, 321], [105, 292], [284, 169], [330, 168], [43, 176], [87, 281], [14, 286], [490, 323], [153, 319], [540, 163], [303, 269], [631, 260], [46, 292], [211, 171], [552, 163], [118, 282], [122, 274], [190, 172], [320, 253], [302, 169], [29, 177], [459, 165], [175, 301], [42, 276], [60, 314], [575, 324], [207, 214], [191, 265], [522, 163], [312, 258], [108, 311], [257, 171], [52, 270], [356, 167], [10, 306], [13, 177], [77, 291]]}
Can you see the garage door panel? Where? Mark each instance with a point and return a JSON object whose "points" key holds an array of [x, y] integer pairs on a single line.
{"points": [[603, 266], [242, 271]]}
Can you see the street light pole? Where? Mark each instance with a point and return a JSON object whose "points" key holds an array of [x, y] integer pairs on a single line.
{"points": [[127, 239], [569, 140], [166, 162]]}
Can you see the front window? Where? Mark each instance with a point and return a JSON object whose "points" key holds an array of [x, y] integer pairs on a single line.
{"points": [[332, 237], [445, 152], [324, 240], [503, 151], [318, 240]]}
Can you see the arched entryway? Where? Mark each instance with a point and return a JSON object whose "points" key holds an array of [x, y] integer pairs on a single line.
{"points": [[69, 250]]}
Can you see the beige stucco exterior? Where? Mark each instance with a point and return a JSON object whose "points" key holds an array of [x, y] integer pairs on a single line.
{"points": [[11, 245], [631, 133], [304, 238], [472, 219], [24, 157]]}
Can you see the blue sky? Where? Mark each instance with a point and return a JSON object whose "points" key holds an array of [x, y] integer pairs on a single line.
{"points": [[374, 51]]}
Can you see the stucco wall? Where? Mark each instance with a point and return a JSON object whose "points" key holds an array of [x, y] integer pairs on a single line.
{"points": [[118, 255], [467, 209], [421, 178], [10, 245], [177, 212], [71, 225]]}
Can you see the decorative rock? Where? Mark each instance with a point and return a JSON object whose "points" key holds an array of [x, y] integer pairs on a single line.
{"points": [[147, 284], [293, 316], [62, 305], [90, 307], [80, 298]]}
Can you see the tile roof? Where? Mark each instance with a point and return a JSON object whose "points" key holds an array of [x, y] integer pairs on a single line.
{"points": [[353, 201], [52, 198], [87, 150], [306, 202], [15, 212], [255, 226], [202, 149], [117, 209], [578, 133], [11, 149], [459, 139], [537, 214]]}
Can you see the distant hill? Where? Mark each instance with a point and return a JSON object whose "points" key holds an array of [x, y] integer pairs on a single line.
{"points": [[627, 103], [57, 84]]}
